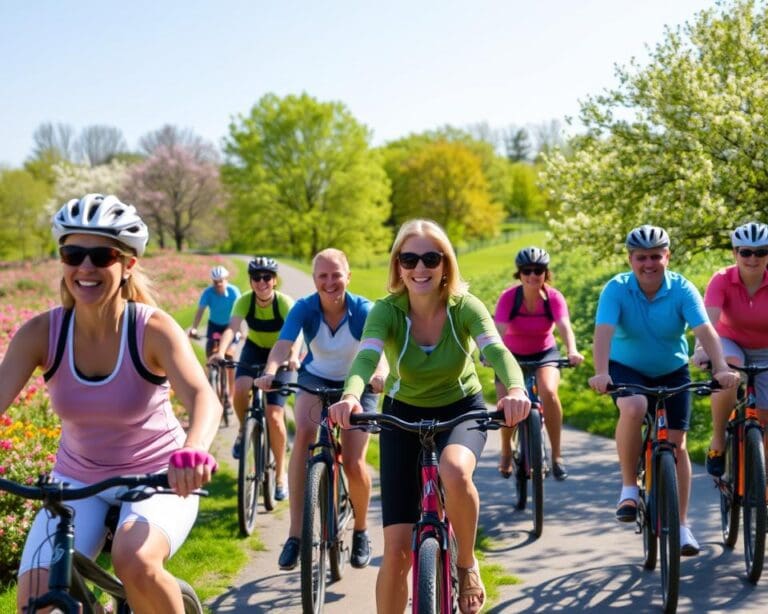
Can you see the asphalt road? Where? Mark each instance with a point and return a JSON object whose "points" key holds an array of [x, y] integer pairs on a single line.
{"points": [[584, 562]]}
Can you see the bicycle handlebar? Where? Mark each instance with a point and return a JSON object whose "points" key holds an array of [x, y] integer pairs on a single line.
{"points": [[374, 419], [700, 388], [750, 368], [286, 388], [560, 363]]}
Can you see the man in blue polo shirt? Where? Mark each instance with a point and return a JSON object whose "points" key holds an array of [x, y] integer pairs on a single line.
{"points": [[640, 338]]}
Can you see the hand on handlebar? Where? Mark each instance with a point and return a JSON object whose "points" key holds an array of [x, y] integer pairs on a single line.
{"points": [[216, 358], [189, 469], [339, 413], [599, 383], [376, 383], [575, 358], [727, 378], [516, 406], [264, 381], [193, 334]]}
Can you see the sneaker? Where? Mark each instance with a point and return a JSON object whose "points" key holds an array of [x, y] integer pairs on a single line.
{"points": [[289, 556], [688, 544], [236, 446], [281, 492], [715, 463], [361, 549], [627, 511], [559, 471]]}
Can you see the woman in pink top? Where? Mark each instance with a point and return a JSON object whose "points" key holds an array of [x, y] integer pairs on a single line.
{"points": [[526, 315], [109, 358], [736, 300]]}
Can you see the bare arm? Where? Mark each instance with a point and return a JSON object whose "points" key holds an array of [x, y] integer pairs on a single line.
{"points": [[228, 336], [566, 334], [27, 350], [601, 350], [198, 317], [709, 340]]}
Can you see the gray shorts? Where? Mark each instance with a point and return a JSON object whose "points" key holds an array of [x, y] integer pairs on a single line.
{"points": [[756, 356]]}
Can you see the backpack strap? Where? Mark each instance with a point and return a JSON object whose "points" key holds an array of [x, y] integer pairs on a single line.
{"points": [[518, 303], [133, 348], [60, 345]]}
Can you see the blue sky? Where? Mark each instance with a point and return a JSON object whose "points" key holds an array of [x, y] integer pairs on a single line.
{"points": [[400, 66]]}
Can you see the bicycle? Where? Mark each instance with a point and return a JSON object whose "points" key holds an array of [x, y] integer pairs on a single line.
{"points": [[744, 481], [218, 379], [71, 572], [658, 510], [256, 464], [327, 506], [434, 552], [530, 455]]}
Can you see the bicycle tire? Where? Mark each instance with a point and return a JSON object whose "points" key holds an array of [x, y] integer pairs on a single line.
{"points": [[729, 500], [521, 468], [650, 543], [668, 530], [224, 398], [753, 504], [247, 477], [266, 470], [313, 555], [339, 553], [535, 450], [429, 580], [189, 598]]}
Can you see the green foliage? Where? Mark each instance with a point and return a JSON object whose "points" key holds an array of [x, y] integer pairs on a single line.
{"points": [[680, 142], [302, 177], [26, 230]]}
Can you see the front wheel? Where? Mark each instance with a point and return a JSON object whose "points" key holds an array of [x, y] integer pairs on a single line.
{"points": [[314, 539], [753, 504], [189, 598], [247, 477], [267, 470], [428, 582], [339, 552], [535, 451], [668, 529], [729, 499]]}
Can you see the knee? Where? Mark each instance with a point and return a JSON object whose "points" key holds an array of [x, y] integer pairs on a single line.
{"points": [[132, 568], [632, 411], [455, 477], [356, 469]]}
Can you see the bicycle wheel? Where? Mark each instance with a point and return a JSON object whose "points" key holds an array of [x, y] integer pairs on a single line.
{"points": [[339, 552], [314, 539], [729, 500], [189, 598], [537, 470], [223, 392], [645, 520], [753, 504], [266, 470], [247, 477], [429, 581], [521, 466], [668, 529]]}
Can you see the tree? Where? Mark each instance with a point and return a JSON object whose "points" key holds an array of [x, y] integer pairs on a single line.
{"points": [[517, 144], [25, 231], [445, 182], [76, 180], [99, 144], [180, 195], [681, 142], [526, 199], [57, 140], [173, 136], [303, 177]]}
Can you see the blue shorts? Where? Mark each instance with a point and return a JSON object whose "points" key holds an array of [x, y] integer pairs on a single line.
{"points": [[678, 406], [369, 401]]}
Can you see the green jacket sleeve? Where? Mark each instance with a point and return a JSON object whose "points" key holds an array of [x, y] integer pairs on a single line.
{"points": [[375, 333]]}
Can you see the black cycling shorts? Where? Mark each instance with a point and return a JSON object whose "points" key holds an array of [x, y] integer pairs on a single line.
{"points": [[253, 354]]}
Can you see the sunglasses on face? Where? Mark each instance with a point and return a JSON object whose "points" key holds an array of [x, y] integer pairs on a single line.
{"points": [[760, 253], [536, 270], [265, 277], [101, 257], [409, 260]]}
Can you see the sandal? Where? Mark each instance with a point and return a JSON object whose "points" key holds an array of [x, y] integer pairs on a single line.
{"points": [[506, 466], [627, 511], [470, 585]]}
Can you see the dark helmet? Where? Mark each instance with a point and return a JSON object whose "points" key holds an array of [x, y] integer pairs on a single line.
{"points": [[647, 237], [262, 263], [531, 255]]}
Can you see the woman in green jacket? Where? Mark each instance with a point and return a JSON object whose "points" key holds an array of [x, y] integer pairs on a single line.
{"points": [[427, 328]]}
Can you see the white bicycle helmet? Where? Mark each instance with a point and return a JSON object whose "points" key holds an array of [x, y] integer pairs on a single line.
{"points": [[262, 263], [106, 216], [647, 237], [531, 256], [218, 273], [751, 234]]}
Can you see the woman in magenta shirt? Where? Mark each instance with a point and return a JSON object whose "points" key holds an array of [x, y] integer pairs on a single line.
{"points": [[526, 316], [736, 300]]}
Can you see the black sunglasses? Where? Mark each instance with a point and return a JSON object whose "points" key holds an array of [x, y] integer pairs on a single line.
{"points": [[536, 270], [263, 277], [101, 257], [746, 253], [409, 260]]}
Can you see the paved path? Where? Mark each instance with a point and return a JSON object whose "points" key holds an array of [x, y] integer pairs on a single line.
{"points": [[584, 561]]}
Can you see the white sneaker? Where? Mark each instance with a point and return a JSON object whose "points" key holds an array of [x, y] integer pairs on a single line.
{"points": [[688, 544]]}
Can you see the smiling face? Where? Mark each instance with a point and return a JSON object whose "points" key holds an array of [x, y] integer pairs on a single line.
{"points": [[331, 277], [421, 280], [751, 261], [91, 284], [649, 265], [263, 284]]}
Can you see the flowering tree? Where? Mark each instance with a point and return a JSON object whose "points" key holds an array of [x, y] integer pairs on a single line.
{"points": [[180, 194], [76, 180], [681, 142]]}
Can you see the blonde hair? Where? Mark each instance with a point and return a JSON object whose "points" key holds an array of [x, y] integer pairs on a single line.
{"points": [[452, 284], [332, 254]]}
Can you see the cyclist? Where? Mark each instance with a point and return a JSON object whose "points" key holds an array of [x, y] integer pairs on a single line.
{"points": [[110, 358], [525, 316], [639, 338], [219, 298], [264, 310], [736, 300], [331, 322], [427, 328]]}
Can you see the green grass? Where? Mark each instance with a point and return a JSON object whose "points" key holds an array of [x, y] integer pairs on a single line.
{"points": [[493, 575]]}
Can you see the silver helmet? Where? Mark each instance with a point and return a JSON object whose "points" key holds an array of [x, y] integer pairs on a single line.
{"points": [[532, 255], [647, 237], [751, 234]]}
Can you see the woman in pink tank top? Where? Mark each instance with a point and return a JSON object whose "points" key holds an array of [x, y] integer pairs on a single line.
{"points": [[110, 358]]}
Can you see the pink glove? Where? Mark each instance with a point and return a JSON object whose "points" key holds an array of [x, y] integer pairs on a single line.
{"points": [[190, 458]]}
